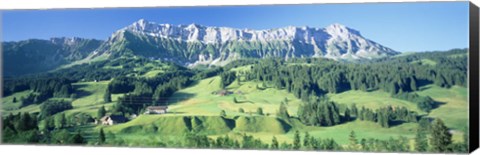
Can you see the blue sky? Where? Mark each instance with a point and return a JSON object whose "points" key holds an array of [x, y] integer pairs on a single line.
{"points": [[400, 26]]}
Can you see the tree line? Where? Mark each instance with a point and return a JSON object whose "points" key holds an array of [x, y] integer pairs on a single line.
{"points": [[307, 77]]}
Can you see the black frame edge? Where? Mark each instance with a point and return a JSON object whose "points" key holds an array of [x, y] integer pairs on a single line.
{"points": [[473, 78]]}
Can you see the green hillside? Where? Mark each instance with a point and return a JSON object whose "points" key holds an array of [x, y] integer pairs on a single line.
{"points": [[285, 99]]}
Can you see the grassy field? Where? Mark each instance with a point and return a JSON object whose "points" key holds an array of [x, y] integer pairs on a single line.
{"points": [[198, 100], [90, 98], [454, 110], [201, 100], [197, 108], [372, 100], [425, 62], [7, 102]]}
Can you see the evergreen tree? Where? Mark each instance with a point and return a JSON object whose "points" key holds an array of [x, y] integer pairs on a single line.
{"points": [[223, 113], [274, 144], [296, 141], [63, 121], [353, 140], [77, 139], [73, 96], [346, 115], [413, 84], [364, 145], [25, 123], [283, 112], [101, 137], [107, 97], [440, 136], [421, 142], [259, 111], [101, 112], [306, 140], [49, 123], [14, 100], [354, 110]]}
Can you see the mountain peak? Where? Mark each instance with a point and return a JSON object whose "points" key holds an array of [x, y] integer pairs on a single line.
{"points": [[140, 25], [142, 21], [334, 41], [337, 28], [65, 40]]}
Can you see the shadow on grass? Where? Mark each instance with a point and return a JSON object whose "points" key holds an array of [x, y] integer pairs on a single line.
{"points": [[396, 123], [230, 122], [437, 104], [169, 112], [179, 97], [82, 93], [421, 83]]}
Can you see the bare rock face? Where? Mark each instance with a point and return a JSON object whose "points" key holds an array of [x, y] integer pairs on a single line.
{"points": [[196, 44]]}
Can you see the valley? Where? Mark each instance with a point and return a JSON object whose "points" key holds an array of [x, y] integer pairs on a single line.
{"points": [[149, 86]]}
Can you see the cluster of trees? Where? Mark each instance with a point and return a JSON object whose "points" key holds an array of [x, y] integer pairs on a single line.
{"points": [[142, 92], [208, 73], [323, 76], [41, 89], [249, 142], [227, 78], [51, 107], [424, 103], [23, 128], [322, 112], [319, 113], [434, 136], [106, 70], [430, 137], [387, 116], [143, 95]]}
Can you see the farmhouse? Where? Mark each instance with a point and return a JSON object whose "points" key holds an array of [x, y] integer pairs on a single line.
{"points": [[223, 92], [113, 119], [156, 110]]}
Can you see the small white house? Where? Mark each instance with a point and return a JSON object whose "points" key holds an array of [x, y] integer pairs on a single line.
{"points": [[156, 110], [112, 119]]}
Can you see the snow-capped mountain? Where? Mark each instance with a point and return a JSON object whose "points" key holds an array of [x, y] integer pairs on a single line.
{"points": [[196, 44]]}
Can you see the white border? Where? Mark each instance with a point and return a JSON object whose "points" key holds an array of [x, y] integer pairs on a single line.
{"points": [[74, 150]]}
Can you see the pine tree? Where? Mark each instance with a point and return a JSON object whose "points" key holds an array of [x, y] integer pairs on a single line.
{"points": [[107, 97], [259, 111], [296, 141], [101, 112], [346, 115], [274, 143], [421, 143], [354, 110], [63, 121], [223, 113], [283, 112], [49, 123], [353, 140], [101, 137], [363, 143], [77, 139], [413, 84], [14, 100], [306, 140], [440, 136]]}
